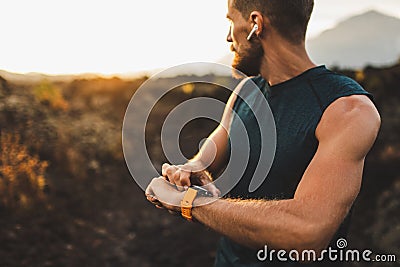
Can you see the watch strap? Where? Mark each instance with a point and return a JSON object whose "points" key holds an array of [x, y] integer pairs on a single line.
{"points": [[187, 203]]}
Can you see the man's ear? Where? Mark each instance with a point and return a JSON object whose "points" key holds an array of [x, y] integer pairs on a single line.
{"points": [[257, 18]]}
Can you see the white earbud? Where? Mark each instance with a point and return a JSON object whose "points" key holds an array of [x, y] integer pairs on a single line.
{"points": [[255, 28]]}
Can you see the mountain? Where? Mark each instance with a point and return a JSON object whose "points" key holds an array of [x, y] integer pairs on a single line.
{"points": [[371, 38]]}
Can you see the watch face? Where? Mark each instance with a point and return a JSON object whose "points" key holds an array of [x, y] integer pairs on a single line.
{"points": [[201, 191]]}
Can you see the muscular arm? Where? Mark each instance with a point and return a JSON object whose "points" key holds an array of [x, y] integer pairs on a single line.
{"points": [[213, 151], [324, 196]]}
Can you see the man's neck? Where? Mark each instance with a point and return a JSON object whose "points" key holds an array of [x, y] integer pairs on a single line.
{"points": [[283, 61]]}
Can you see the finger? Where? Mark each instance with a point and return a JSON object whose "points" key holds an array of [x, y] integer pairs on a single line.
{"points": [[216, 192], [213, 189], [185, 178], [151, 198], [170, 171], [219, 192], [164, 168], [157, 203], [154, 201], [177, 178]]}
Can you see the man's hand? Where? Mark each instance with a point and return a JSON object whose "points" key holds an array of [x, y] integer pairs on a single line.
{"points": [[164, 194], [189, 174]]}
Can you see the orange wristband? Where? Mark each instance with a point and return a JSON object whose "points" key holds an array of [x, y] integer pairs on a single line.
{"points": [[186, 204]]}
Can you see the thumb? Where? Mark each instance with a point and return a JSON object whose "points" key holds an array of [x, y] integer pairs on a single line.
{"points": [[213, 189]]}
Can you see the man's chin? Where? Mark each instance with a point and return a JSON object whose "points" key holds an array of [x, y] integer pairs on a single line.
{"points": [[242, 70], [237, 71]]}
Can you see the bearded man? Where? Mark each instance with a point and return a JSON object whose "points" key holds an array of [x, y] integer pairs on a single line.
{"points": [[325, 125]]}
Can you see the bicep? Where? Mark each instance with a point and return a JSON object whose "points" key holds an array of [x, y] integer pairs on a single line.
{"points": [[333, 178]]}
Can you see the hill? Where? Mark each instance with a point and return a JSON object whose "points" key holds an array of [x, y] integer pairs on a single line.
{"points": [[371, 38]]}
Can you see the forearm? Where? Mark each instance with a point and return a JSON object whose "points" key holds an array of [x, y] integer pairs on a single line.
{"points": [[212, 154], [279, 224]]}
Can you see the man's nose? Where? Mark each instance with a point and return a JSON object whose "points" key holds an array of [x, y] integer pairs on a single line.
{"points": [[229, 37]]}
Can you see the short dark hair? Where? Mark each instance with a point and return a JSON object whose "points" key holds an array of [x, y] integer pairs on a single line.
{"points": [[289, 17]]}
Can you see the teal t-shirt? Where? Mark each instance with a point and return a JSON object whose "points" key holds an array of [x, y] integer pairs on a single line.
{"points": [[297, 106]]}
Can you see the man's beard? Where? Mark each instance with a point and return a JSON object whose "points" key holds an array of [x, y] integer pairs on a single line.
{"points": [[248, 61]]}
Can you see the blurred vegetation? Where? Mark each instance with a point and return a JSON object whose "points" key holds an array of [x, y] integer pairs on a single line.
{"points": [[67, 198], [48, 94], [22, 175]]}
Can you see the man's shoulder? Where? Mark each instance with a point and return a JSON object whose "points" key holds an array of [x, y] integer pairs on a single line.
{"points": [[333, 81], [351, 106], [331, 86], [354, 111]]}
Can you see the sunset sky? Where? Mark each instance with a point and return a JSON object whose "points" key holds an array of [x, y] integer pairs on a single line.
{"points": [[121, 36]]}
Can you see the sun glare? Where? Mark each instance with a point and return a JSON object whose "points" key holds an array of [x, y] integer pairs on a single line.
{"points": [[123, 36]]}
